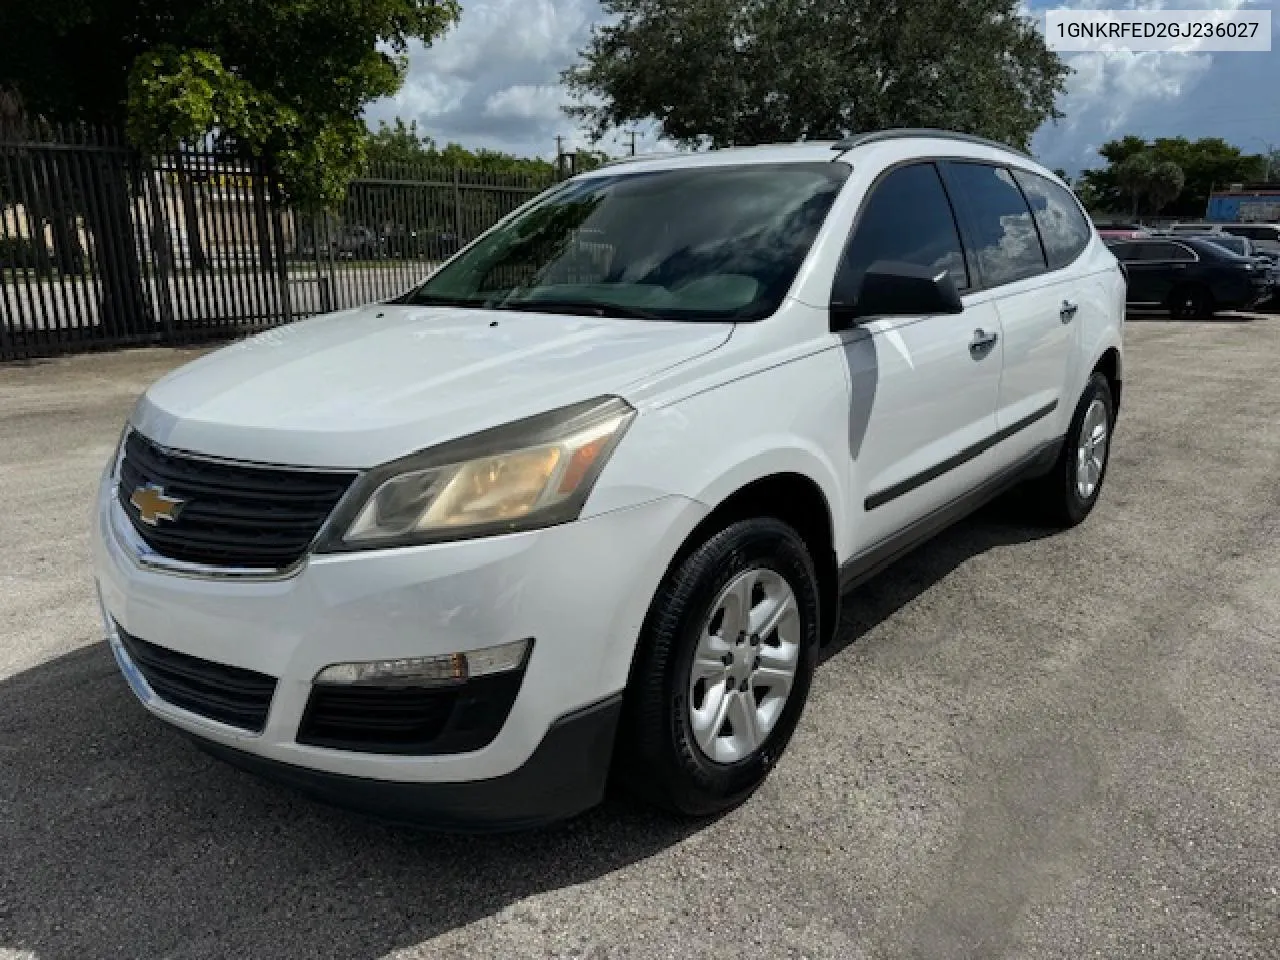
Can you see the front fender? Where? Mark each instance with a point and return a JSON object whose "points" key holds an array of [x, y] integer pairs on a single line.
{"points": [[784, 419]]}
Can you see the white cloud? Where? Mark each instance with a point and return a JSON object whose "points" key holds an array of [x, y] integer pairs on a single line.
{"points": [[1149, 94], [1112, 86], [494, 33], [529, 100], [430, 95], [494, 81]]}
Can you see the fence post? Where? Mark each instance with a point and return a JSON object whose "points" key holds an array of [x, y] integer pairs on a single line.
{"points": [[161, 247], [277, 229], [457, 207], [319, 219]]}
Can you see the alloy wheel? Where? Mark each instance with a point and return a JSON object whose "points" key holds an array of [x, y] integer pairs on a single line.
{"points": [[745, 665], [1091, 449]]}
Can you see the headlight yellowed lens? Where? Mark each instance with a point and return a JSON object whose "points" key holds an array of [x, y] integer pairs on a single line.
{"points": [[496, 492], [495, 489]]}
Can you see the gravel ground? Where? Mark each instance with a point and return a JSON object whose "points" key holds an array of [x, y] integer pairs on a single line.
{"points": [[1023, 746]]}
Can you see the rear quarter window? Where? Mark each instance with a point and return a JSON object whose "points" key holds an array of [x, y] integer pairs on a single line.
{"points": [[1063, 228]]}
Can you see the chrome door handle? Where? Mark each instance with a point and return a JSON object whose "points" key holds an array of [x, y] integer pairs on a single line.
{"points": [[982, 341], [1068, 311]]}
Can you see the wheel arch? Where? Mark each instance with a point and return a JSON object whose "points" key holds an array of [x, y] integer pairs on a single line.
{"points": [[798, 501], [1111, 365]]}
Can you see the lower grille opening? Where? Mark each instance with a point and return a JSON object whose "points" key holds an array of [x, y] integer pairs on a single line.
{"points": [[231, 695], [417, 721]]}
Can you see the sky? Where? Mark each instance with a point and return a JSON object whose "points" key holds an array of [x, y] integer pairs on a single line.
{"points": [[493, 81]]}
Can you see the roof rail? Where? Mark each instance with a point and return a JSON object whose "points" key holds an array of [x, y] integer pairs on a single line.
{"points": [[902, 133], [615, 161]]}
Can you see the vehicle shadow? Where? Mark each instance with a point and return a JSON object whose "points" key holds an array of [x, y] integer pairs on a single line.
{"points": [[1003, 522], [121, 838]]}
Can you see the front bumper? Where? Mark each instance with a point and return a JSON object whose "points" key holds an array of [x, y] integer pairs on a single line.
{"points": [[580, 591], [565, 775]]}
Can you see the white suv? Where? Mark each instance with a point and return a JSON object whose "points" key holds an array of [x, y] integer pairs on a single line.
{"points": [[586, 500]]}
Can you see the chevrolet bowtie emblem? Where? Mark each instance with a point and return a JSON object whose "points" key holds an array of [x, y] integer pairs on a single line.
{"points": [[153, 505]]}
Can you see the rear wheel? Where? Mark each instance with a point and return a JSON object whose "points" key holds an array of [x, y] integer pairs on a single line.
{"points": [[723, 670], [1191, 303], [1067, 494]]}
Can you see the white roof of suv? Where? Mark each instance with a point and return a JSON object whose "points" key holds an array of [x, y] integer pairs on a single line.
{"points": [[916, 141]]}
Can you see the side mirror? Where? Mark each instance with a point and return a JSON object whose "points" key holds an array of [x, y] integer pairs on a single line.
{"points": [[893, 289]]}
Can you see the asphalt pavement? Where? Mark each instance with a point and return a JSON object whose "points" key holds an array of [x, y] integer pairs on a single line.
{"points": [[1024, 745]]}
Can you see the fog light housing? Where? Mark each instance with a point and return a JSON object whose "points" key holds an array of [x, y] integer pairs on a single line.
{"points": [[438, 671]]}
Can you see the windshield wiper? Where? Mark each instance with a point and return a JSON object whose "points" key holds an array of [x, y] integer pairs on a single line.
{"points": [[592, 308]]}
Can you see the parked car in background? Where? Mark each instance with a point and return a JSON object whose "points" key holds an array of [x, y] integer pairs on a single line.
{"points": [[584, 503], [403, 243], [407, 244], [1268, 261], [1265, 236], [1191, 277], [1122, 232], [1240, 246], [1191, 228], [356, 242]]}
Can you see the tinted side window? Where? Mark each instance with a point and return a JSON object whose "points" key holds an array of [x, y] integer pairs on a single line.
{"points": [[1063, 228], [907, 218], [1127, 252], [1005, 242], [1163, 250], [1243, 232], [1255, 233]]}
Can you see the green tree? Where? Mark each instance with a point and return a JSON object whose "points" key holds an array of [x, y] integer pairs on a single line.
{"points": [[286, 80], [1270, 163], [1088, 196], [724, 72], [1133, 175], [1166, 183], [403, 143], [1206, 164]]}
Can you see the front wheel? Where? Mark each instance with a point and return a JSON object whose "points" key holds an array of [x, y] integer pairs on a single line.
{"points": [[1068, 493], [723, 670]]}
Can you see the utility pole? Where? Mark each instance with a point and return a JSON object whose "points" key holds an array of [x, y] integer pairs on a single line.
{"points": [[633, 143], [559, 155]]}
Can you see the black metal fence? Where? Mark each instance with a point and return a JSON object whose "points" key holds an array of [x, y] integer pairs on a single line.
{"points": [[102, 246]]}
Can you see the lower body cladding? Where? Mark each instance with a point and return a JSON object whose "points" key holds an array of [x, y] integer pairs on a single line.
{"points": [[467, 685]]}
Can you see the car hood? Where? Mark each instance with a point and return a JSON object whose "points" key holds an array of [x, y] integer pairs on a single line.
{"points": [[361, 387]]}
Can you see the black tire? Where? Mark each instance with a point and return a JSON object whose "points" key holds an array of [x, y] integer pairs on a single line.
{"points": [[1192, 302], [1055, 497], [659, 758]]}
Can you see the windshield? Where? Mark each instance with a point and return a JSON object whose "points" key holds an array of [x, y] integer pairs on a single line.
{"points": [[694, 243]]}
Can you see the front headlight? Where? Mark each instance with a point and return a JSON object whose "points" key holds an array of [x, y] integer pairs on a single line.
{"points": [[112, 469], [531, 473]]}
